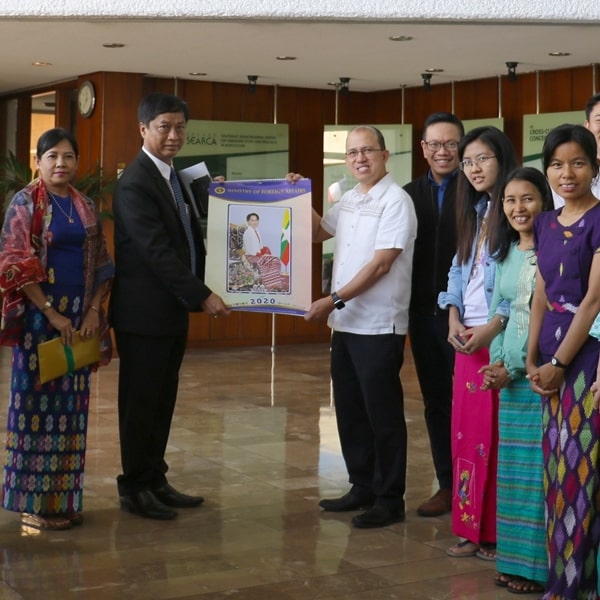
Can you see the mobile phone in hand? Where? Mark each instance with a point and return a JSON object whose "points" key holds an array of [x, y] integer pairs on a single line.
{"points": [[459, 340]]}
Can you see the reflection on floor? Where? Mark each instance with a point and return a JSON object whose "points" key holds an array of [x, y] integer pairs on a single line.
{"points": [[255, 434]]}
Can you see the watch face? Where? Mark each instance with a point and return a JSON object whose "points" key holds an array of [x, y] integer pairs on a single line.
{"points": [[86, 99]]}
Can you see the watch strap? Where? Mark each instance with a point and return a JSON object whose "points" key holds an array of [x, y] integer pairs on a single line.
{"points": [[556, 363], [337, 301]]}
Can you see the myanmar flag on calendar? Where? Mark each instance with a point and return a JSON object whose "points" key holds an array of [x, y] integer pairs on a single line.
{"points": [[284, 253]]}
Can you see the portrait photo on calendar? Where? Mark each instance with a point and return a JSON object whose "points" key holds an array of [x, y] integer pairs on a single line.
{"points": [[259, 259]]}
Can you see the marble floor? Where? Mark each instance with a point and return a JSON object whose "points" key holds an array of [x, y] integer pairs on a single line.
{"points": [[254, 432]]}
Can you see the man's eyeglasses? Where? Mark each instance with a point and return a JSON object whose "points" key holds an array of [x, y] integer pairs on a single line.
{"points": [[435, 146], [469, 164], [364, 151]]}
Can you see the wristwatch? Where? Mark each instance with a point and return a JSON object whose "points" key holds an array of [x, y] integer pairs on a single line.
{"points": [[337, 301], [556, 363]]}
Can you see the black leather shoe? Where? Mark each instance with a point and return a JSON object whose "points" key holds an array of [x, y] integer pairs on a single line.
{"points": [[147, 505], [169, 496], [347, 502], [378, 516]]}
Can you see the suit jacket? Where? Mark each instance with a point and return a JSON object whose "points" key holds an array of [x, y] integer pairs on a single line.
{"points": [[154, 288]]}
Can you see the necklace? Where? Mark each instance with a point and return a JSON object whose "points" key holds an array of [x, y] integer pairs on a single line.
{"points": [[57, 203]]}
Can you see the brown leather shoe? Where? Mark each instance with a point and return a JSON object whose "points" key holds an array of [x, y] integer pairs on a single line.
{"points": [[440, 503]]}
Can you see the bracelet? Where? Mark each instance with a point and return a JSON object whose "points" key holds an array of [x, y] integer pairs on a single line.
{"points": [[47, 306], [94, 308]]}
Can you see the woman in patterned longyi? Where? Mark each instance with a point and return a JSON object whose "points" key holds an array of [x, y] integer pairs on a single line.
{"points": [[54, 274], [562, 359]]}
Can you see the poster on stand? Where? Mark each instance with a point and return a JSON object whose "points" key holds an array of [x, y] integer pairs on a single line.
{"points": [[259, 238], [537, 127]]}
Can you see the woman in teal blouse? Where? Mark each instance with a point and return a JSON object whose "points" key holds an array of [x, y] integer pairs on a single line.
{"points": [[521, 558]]}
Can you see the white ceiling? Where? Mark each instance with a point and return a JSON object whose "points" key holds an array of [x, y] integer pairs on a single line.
{"points": [[228, 51]]}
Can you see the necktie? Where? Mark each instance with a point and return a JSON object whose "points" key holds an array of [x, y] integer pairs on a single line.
{"points": [[183, 214]]}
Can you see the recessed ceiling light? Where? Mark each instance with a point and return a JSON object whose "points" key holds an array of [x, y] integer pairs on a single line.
{"points": [[557, 53], [284, 57], [41, 63], [197, 74], [434, 70], [113, 45], [400, 38]]}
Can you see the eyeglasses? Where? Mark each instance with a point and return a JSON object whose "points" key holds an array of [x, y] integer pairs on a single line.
{"points": [[480, 161], [435, 146], [364, 151]]}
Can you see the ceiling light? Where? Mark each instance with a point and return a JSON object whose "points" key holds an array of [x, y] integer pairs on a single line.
{"points": [[434, 70], [284, 57], [41, 63], [400, 38], [558, 53], [197, 74], [113, 45]]}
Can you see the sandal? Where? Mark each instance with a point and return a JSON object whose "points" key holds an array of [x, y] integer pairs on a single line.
{"points": [[463, 549], [51, 522], [486, 552], [76, 518], [520, 585], [502, 579]]}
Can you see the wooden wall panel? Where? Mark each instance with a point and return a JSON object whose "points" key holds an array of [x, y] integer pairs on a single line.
{"points": [[556, 92], [160, 84], [234, 102], [387, 107], [518, 99], [582, 85], [199, 96], [23, 128], [121, 139], [476, 99], [356, 108], [64, 112]]}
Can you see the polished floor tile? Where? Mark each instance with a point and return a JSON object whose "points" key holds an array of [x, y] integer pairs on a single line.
{"points": [[254, 433]]}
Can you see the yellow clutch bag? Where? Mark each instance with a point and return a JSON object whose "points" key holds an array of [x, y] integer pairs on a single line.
{"points": [[56, 359]]}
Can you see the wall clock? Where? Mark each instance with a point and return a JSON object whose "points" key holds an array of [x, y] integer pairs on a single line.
{"points": [[86, 99]]}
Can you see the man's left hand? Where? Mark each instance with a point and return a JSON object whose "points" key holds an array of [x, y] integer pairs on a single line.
{"points": [[214, 306], [319, 310]]}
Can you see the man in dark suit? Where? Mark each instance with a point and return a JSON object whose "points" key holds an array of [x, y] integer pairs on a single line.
{"points": [[159, 257], [434, 196]]}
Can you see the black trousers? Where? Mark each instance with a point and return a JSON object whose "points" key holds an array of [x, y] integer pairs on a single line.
{"points": [[434, 361], [369, 404], [148, 382]]}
